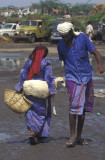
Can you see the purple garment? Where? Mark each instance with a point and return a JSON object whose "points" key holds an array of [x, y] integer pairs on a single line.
{"points": [[39, 116], [81, 97]]}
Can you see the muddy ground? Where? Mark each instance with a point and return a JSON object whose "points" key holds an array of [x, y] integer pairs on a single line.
{"points": [[14, 144]]}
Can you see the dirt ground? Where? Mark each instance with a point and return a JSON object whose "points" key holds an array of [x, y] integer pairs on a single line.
{"points": [[14, 144]]}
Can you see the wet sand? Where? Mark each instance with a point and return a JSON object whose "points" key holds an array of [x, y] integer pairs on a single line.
{"points": [[14, 144]]}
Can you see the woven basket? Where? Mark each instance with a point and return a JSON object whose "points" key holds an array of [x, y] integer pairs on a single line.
{"points": [[16, 102]]}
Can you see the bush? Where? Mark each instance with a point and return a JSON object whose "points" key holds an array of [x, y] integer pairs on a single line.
{"points": [[96, 17], [79, 23], [14, 15]]}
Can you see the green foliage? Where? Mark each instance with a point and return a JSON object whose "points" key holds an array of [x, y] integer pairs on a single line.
{"points": [[34, 16], [49, 4], [79, 23], [15, 15], [49, 19], [96, 17], [86, 8], [103, 18], [36, 6], [13, 20], [99, 16]]}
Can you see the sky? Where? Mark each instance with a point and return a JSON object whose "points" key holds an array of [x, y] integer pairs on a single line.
{"points": [[24, 3]]}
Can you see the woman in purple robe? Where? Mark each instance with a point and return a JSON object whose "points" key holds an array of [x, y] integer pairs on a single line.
{"points": [[38, 118]]}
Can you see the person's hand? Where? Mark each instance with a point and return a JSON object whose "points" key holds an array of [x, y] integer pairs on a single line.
{"points": [[100, 69], [20, 92]]}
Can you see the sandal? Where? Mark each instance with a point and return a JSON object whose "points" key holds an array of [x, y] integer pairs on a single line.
{"points": [[33, 140], [81, 141], [71, 142]]}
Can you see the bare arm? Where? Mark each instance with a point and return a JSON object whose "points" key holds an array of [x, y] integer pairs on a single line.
{"points": [[97, 55]]}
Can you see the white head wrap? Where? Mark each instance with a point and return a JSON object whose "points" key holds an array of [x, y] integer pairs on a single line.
{"points": [[65, 27]]}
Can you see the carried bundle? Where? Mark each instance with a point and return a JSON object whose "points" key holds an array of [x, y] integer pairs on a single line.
{"points": [[39, 88]]}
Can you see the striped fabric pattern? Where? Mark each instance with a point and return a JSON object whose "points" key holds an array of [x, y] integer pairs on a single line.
{"points": [[81, 97]]}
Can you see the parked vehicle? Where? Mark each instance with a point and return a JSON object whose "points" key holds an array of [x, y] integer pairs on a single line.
{"points": [[55, 36], [8, 30], [31, 30]]}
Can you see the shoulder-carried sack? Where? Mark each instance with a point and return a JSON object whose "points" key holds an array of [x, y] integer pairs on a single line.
{"points": [[36, 88], [17, 102]]}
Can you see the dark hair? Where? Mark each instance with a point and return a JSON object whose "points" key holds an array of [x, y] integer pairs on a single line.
{"points": [[40, 47], [89, 22]]}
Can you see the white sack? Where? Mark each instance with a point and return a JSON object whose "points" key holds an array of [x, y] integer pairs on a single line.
{"points": [[39, 88], [36, 88]]}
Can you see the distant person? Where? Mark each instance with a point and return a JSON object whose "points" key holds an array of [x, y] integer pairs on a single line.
{"points": [[1, 25], [20, 13], [18, 25], [73, 49], [100, 26], [99, 33], [89, 31]]}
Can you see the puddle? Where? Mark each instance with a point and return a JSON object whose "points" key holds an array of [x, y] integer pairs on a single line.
{"points": [[15, 61], [13, 55], [10, 64], [4, 79], [3, 136], [97, 78], [97, 90], [12, 61]]}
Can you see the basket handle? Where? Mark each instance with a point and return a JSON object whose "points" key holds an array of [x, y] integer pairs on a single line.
{"points": [[22, 92]]}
